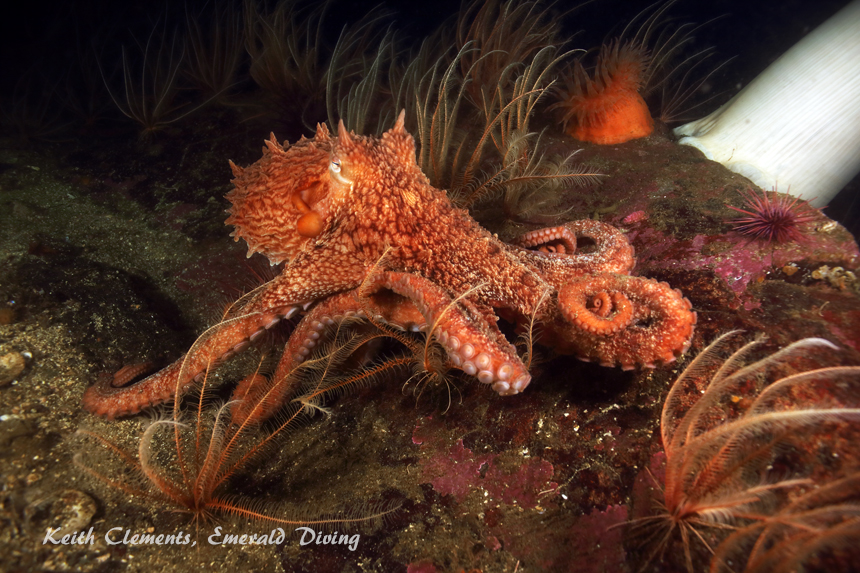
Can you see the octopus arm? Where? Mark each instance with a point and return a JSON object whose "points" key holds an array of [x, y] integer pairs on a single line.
{"points": [[624, 320], [559, 252], [282, 298], [312, 276], [472, 340], [407, 301], [259, 398], [111, 399]]}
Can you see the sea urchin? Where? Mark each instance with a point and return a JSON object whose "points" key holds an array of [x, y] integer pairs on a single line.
{"points": [[773, 218]]}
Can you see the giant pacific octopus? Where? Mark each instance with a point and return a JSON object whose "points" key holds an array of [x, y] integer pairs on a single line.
{"points": [[359, 229]]}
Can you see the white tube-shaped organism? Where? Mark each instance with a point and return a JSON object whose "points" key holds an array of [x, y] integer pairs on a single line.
{"points": [[798, 123]]}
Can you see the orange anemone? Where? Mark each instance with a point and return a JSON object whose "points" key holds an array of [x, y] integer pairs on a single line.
{"points": [[608, 108]]}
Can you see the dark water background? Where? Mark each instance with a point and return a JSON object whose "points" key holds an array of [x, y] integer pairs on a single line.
{"points": [[49, 36]]}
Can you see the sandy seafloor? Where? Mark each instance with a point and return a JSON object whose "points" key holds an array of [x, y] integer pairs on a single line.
{"points": [[113, 251]]}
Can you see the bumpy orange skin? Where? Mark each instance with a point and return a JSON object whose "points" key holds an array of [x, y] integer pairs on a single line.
{"points": [[359, 229]]}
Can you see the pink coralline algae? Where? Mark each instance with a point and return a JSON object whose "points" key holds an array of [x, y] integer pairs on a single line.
{"points": [[512, 492], [597, 541], [646, 489], [635, 217], [456, 470], [421, 567], [527, 486], [732, 258], [593, 543]]}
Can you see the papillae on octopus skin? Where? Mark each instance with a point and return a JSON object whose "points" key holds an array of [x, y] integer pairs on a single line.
{"points": [[352, 218]]}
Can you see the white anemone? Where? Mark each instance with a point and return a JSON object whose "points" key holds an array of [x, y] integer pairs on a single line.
{"points": [[798, 123]]}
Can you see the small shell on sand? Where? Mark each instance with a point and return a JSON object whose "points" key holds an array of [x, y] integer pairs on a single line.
{"points": [[11, 365]]}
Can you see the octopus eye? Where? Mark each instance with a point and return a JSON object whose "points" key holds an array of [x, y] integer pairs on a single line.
{"points": [[339, 172]]}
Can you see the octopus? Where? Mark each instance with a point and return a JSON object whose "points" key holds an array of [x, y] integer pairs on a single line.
{"points": [[359, 231]]}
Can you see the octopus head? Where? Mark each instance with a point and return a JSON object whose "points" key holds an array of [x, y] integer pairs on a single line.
{"points": [[294, 193], [285, 199], [380, 166]]}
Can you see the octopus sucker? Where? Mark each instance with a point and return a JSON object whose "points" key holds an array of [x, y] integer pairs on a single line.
{"points": [[382, 242], [129, 372]]}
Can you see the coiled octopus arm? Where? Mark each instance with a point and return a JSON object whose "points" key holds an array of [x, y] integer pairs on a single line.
{"points": [[603, 314], [556, 254], [622, 320]]}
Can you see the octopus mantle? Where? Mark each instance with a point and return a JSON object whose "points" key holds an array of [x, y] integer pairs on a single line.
{"points": [[360, 229]]}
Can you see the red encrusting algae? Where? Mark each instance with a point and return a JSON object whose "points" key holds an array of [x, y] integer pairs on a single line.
{"points": [[608, 108]]}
